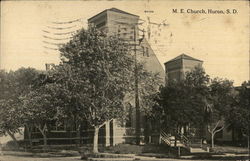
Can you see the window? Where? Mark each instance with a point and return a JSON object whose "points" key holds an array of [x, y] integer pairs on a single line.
{"points": [[129, 117], [147, 53], [101, 24], [143, 50]]}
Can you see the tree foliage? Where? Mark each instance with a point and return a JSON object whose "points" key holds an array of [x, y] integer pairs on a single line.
{"points": [[100, 69], [148, 87], [41, 106], [96, 73], [239, 113], [182, 102], [13, 86], [197, 102], [220, 100]]}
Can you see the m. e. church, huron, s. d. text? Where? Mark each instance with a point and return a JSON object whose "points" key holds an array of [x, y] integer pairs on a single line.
{"points": [[205, 11]]}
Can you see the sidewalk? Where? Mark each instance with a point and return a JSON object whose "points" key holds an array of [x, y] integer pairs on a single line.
{"points": [[161, 157], [226, 156], [72, 155]]}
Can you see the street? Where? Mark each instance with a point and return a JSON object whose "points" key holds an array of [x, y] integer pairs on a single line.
{"points": [[25, 158], [77, 158]]}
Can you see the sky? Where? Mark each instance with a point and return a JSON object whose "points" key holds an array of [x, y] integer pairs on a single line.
{"points": [[220, 40]]}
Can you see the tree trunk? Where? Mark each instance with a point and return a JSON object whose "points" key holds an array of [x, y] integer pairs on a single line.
{"points": [[43, 132], [212, 140], [79, 135], [13, 138], [95, 143], [29, 134], [107, 133], [45, 140], [233, 134]]}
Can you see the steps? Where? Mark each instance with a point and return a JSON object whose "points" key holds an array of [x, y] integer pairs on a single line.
{"points": [[194, 146], [170, 140], [197, 150]]}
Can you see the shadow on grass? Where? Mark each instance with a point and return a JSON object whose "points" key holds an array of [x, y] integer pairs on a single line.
{"points": [[62, 153], [238, 158]]}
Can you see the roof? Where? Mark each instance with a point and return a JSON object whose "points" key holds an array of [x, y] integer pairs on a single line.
{"points": [[183, 56], [113, 10]]}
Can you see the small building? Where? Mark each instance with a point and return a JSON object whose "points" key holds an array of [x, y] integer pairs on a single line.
{"points": [[116, 22], [176, 68]]}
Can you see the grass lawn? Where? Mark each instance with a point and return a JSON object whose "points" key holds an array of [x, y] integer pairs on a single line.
{"points": [[149, 150], [230, 149]]}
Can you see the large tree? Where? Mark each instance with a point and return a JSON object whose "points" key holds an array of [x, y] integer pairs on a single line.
{"points": [[42, 105], [173, 100], [197, 101], [182, 102], [197, 89], [97, 70], [13, 86], [219, 102], [239, 113], [148, 84]]}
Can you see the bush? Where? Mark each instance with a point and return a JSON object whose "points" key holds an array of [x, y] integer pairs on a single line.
{"points": [[10, 145], [85, 152]]}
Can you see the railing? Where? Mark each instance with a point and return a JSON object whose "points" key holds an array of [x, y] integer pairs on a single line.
{"points": [[180, 140], [184, 140], [176, 140], [166, 138]]}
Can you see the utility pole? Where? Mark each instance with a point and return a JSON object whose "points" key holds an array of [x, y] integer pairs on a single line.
{"points": [[137, 104]]}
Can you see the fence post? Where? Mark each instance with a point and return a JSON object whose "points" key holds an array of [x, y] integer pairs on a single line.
{"points": [[160, 138]]}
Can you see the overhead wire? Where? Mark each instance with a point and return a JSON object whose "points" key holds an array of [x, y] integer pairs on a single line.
{"points": [[154, 32]]}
